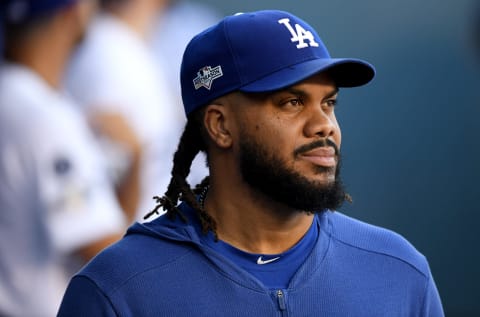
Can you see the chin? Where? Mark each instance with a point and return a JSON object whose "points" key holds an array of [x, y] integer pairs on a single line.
{"points": [[323, 178]]}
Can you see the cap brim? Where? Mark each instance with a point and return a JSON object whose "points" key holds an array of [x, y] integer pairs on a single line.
{"points": [[345, 73]]}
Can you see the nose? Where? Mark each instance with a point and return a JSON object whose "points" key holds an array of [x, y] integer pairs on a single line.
{"points": [[321, 123]]}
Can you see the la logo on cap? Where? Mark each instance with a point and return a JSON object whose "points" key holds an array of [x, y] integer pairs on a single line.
{"points": [[299, 34], [206, 75]]}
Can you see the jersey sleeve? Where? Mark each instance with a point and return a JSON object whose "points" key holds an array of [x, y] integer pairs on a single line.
{"points": [[74, 186], [84, 298]]}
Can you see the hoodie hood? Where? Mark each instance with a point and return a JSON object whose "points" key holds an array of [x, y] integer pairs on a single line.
{"points": [[179, 233], [174, 230]]}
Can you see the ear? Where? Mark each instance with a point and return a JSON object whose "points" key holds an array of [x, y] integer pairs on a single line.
{"points": [[216, 121]]}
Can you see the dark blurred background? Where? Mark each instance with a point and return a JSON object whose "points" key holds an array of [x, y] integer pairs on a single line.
{"points": [[410, 138]]}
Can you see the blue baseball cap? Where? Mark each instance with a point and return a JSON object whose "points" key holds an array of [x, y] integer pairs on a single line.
{"points": [[19, 11], [259, 52]]}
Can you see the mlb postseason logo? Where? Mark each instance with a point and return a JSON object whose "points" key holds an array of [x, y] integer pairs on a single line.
{"points": [[299, 34], [206, 76]]}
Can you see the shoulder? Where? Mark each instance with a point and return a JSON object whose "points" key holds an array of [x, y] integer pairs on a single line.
{"points": [[21, 89], [134, 257], [108, 44], [362, 236], [24, 96]]}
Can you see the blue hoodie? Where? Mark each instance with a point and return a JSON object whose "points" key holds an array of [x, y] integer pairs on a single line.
{"points": [[162, 268]]}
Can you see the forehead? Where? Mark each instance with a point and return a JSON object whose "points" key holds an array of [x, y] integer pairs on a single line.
{"points": [[323, 79], [318, 84]]}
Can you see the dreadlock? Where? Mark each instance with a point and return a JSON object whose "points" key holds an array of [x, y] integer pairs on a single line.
{"points": [[191, 143]]}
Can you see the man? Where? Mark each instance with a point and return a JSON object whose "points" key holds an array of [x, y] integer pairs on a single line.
{"points": [[57, 209], [260, 236], [118, 86]]}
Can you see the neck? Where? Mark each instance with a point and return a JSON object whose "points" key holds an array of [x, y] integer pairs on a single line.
{"points": [[252, 222], [46, 53]]}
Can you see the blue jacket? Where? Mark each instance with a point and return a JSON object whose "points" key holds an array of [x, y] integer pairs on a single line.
{"points": [[161, 268]]}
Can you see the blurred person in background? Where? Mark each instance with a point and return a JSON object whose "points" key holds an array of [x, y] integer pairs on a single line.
{"points": [[57, 209], [118, 84], [169, 40]]}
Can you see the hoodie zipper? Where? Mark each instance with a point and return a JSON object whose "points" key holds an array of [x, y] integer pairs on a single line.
{"points": [[281, 300]]}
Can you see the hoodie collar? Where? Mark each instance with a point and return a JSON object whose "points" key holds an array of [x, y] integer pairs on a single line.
{"points": [[176, 229]]}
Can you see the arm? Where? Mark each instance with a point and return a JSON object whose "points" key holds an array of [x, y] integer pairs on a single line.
{"points": [[84, 298], [116, 128]]}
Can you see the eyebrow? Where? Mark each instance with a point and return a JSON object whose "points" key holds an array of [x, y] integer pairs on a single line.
{"points": [[302, 93]]}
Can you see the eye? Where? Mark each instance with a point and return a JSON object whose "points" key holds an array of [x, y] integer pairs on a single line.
{"points": [[293, 102], [331, 103]]}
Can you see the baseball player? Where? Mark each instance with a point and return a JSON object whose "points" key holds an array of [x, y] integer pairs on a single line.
{"points": [[116, 82], [261, 235], [57, 207]]}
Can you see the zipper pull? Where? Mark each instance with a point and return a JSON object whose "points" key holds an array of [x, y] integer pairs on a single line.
{"points": [[281, 300]]}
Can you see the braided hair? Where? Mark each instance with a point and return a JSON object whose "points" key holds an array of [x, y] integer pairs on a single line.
{"points": [[191, 143]]}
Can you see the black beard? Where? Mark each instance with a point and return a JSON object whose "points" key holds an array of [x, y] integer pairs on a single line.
{"points": [[273, 178]]}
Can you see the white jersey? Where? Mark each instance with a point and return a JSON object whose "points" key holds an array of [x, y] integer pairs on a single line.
{"points": [[54, 195], [172, 34], [115, 71]]}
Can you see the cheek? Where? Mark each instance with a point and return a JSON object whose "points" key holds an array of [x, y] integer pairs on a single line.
{"points": [[337, 135], [276, 128], [279, 136], [263, 130]]}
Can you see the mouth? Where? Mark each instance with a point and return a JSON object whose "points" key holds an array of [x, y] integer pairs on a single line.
{"points": [[322, 156]]}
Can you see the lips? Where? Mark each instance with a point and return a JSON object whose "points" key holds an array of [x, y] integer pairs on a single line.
{"points": [[323, 156]]}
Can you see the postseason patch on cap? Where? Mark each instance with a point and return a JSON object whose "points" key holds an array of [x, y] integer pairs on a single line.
{"points": [[206, 76]]}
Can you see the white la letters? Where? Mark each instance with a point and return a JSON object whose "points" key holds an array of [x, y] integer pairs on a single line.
{"points": [[299, 34]]}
